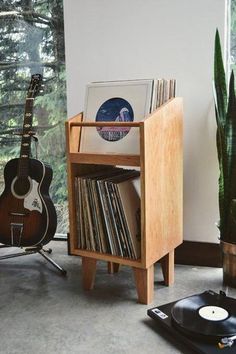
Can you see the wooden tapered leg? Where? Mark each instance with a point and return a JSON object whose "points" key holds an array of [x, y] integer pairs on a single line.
{"points": [[144, 279], [167, 265], [88, 272], [113, 267]]}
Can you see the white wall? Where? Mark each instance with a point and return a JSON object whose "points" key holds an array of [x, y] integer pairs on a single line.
{"points": [[129, 39]]}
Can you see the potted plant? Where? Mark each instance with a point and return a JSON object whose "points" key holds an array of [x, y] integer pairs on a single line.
{"points": [[225, 111]]}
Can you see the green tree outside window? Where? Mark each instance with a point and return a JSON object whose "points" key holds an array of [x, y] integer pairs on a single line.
{"points": [[32, 41]]}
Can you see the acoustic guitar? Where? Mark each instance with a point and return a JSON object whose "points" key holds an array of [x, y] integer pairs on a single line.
{"points": [[27, 214]]}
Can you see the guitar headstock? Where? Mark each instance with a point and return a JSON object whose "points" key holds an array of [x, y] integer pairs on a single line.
{"points": [[35, 85]]}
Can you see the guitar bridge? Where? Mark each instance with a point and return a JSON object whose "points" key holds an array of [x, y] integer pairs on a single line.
{"points": [[16, 233]]}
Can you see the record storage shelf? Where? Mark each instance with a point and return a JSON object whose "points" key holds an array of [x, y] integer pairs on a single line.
{"points": [[161, 178]]}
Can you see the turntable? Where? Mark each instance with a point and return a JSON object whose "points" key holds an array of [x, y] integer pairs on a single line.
{"points": [[206, 322]]}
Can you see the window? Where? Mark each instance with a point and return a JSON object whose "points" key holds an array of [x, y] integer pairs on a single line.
{"points": [[232, 35], [32, 41]]}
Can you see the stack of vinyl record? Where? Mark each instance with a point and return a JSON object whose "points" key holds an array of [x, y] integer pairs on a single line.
{"points": [[108, 212], [120, 101], [165, 89]]}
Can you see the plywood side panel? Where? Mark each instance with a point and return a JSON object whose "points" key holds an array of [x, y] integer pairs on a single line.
{"points": [[162, 181], [73, 133], [71, 145]]}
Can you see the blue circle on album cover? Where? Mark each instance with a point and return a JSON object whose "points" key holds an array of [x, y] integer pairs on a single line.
{"points": [[114, 110]]}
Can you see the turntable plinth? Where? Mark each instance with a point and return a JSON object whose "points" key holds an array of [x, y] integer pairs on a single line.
{"points": [[205, 322]]}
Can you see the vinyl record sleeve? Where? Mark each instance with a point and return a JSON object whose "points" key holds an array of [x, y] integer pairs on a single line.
{"points": [[130, 202], [117, 101]]}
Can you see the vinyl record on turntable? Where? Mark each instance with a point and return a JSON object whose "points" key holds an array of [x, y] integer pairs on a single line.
{"points": [[209, 316]]}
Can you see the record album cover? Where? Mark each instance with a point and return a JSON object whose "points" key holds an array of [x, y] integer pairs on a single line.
{"points": [[117, 101]]}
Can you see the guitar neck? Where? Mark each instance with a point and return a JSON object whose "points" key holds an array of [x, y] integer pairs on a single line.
{"points": [[25, 149]]}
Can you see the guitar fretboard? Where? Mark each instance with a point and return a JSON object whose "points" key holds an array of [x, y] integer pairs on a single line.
{"points": [[25, 150]]}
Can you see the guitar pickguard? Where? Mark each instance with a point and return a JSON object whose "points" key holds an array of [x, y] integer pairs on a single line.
{"points": [[33, 201]]}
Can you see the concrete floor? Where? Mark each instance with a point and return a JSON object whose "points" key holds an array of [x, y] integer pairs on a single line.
{"points": [[44, 312]]}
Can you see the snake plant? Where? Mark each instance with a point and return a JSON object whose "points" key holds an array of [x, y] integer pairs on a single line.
{"points": [[225, 111]]}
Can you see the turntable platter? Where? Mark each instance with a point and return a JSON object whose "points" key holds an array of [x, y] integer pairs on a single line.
{"points": [[208, 315]]}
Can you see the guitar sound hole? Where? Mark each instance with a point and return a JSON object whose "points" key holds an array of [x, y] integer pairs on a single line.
{"points": [[21, 186]]}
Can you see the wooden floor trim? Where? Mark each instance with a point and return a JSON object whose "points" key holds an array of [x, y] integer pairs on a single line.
{"points": [[199, 253]]}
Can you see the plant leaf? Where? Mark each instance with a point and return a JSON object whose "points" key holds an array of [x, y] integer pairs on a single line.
{"points": [[233, 209], [230, 185], [220, 97], [219, 81]]}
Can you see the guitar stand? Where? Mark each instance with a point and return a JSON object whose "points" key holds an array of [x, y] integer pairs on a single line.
{"points": [[33, 250]]}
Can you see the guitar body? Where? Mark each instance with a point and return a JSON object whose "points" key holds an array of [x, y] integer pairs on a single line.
{"points": [[27, 214]]}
